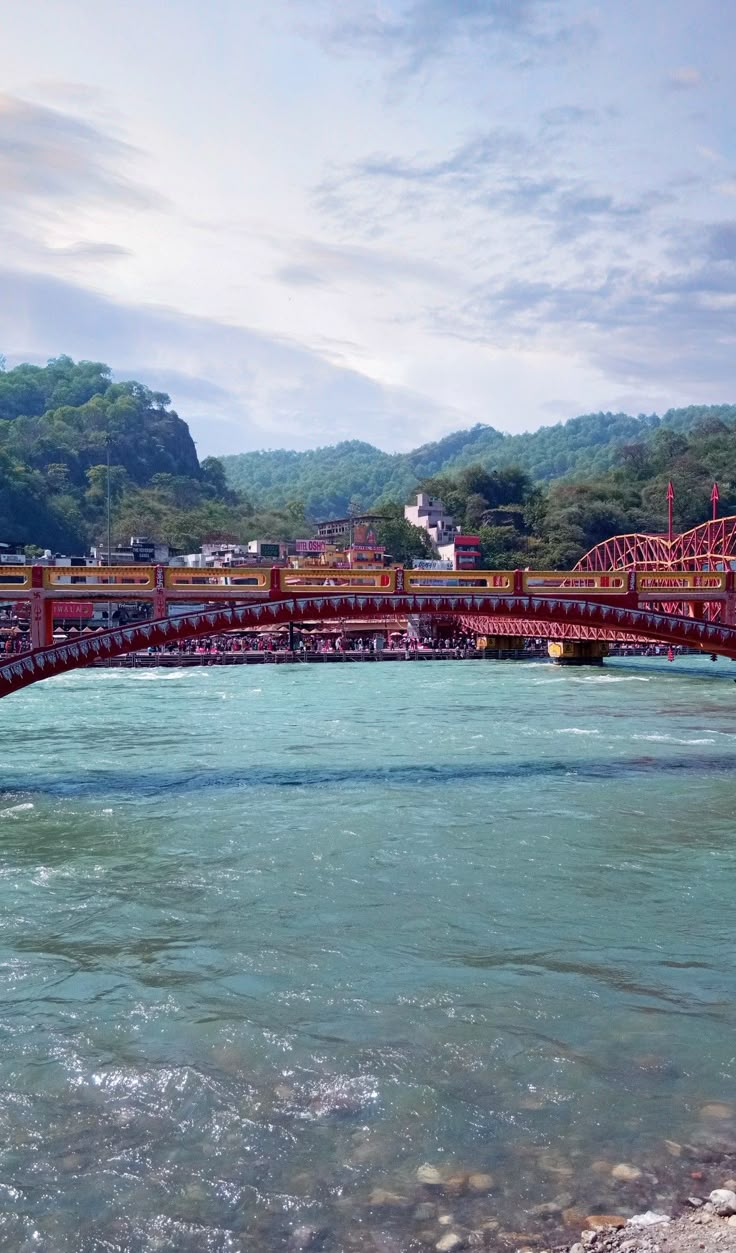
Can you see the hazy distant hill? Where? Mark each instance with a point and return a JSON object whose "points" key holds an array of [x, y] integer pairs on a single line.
{"points": [[328, 480]]}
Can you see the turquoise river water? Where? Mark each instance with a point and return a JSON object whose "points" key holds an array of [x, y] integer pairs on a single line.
{"points": [[273, 937]]}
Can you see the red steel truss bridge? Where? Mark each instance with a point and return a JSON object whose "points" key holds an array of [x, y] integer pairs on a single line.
{"points": [[673, 605], [710, 547]]}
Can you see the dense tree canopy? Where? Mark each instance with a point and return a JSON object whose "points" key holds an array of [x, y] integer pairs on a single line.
{"points": [[58, 423], [328, 479]]}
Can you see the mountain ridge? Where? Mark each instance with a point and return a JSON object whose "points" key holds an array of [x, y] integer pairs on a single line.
{"points": [[353, 473]]}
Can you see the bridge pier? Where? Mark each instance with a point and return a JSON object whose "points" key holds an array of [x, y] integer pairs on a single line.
{"points": [[496, 647], [578, 652]]}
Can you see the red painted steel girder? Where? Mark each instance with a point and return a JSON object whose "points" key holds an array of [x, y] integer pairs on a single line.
{"points": [[531, 627]]}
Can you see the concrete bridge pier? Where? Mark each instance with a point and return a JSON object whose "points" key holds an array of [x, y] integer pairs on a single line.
{"points": [[578, 652]]}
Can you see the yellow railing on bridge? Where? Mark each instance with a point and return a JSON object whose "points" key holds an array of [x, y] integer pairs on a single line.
{"points": [[15, 577], [674, 581], [382, 581], [182, 578], [219, 583], [91, 578], [458, 580], [541, 582]]}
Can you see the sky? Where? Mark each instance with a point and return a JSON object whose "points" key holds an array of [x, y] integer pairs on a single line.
{"points": [[316, 220]]}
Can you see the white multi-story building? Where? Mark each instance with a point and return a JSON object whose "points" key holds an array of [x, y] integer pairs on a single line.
{"points": [[429, 513]]}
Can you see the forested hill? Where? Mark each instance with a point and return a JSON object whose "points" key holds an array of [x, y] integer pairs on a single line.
{"points": [[353, 474], [59, 422]]}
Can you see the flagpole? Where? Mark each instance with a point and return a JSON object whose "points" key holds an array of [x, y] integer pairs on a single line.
{"points": [[715, 497], [670, 499]]}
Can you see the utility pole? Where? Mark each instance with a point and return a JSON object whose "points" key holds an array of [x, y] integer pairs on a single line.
{"points": [[109, 530], [109, 515]]}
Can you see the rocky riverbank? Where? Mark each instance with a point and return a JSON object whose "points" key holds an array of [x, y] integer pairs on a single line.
{"points": [[709, 1224]]}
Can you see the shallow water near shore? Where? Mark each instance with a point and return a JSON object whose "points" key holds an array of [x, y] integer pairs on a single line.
{"points": [[271, 939]]}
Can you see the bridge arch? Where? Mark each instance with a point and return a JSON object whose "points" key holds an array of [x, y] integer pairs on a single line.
{"points": [[24, 669]]}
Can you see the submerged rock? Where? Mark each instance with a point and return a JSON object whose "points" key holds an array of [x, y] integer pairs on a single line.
{"points": [[450, 1243], [595, 1221], [626, 1173], [717, 1110], [429, 1176], [455, 1184], [479, 1182], [382, 1196]]}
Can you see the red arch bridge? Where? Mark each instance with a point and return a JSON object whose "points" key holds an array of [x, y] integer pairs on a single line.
{"points": [[696, 608]]}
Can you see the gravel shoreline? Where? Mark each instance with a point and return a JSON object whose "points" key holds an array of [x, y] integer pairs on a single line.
{"points": [[702, 1230]]}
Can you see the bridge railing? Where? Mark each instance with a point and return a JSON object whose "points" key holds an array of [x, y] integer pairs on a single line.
{"points": [[670, 582], [16, 577], [547, 582], [383, 581], [183, 578], [458, 580], [109, 578]]}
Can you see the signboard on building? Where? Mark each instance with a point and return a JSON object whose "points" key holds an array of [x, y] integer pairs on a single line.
{"points": [[311, 546], [144, 552], [73, 609], [421, 564], [271, 550]]}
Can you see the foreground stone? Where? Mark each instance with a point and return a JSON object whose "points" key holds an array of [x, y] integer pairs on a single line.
{"points": [[723, 1201]]}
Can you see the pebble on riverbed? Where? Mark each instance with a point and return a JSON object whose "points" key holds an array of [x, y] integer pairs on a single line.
{"points": [[429, 1176], [480, 1182], [382, 1197], [449, 1243], [625, 1173]]}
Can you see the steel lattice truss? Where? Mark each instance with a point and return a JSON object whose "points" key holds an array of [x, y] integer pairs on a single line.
{"points": [[710, 546]]}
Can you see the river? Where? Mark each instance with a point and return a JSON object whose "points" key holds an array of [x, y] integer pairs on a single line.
{"points": [[272, 939]]}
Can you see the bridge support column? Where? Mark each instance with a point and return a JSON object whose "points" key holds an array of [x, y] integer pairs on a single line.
{"points": [[42, 619], [695, 609], [578, 652], [160, 608], [495, 647]]}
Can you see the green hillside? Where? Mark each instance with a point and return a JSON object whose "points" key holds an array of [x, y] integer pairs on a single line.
{"points": [[330, 480], [57, 423]]}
